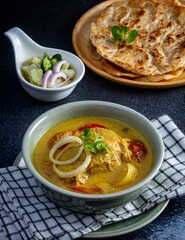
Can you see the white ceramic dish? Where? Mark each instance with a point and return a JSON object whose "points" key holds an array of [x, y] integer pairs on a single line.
{"points": [[83, 202], [25, 48]]}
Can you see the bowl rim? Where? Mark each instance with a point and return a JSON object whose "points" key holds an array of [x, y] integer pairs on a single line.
{"points": [[109, 196], [73, 83]]}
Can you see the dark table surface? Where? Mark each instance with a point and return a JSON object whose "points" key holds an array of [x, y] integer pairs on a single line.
{"points": [[50, 23]]}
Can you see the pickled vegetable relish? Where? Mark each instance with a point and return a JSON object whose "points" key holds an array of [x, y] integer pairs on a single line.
{"points": [[48, 72]]}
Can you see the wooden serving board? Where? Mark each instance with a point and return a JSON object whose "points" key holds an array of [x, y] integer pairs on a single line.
{"points": [[82, 46]]}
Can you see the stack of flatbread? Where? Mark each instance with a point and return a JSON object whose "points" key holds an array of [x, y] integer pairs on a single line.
{"points": [[158, 52]]}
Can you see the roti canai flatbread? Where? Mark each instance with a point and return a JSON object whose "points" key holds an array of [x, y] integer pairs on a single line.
{"points": [[115, 70], [161, 77], [159, 48]]}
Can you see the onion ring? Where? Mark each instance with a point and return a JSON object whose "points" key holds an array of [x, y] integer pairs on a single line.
{"points": [[54, 76], [72, 159], [60, 84], [46, 76], [77, 171], [58, 65], [59, 144]]}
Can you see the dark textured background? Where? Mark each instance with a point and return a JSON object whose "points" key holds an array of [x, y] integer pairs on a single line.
{"points": [[50, 23]]}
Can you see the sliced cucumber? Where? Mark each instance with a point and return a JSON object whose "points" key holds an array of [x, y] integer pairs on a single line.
{"points": [[46, 63], [36, 76], [57, 57], [36, 60], [69, 72], [65, 66], [26, 69]]}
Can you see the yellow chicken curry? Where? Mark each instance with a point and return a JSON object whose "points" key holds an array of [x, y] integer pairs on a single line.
{"points": [[93, 155]]}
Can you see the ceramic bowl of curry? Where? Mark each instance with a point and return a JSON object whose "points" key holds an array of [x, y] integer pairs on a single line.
{"points": [[90, 156]]}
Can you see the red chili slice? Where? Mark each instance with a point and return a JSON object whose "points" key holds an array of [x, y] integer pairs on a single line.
{"points": [[138, 149], [91, 125], [86, 189]]}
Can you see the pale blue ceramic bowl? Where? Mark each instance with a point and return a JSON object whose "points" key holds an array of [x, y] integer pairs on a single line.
{"points": [[82, 202]]}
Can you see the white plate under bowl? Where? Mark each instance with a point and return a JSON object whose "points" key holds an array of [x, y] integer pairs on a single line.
{"points": [[122, 227]]}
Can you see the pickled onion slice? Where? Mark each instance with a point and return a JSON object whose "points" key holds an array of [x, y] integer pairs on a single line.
{"points": [[58, 65], [46, 77]]}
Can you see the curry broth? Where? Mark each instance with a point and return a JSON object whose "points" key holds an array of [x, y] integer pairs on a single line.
{"points": [[41, 152]]}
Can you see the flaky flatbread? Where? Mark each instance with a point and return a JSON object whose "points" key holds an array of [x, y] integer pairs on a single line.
{"points": [[161, 77], [159, 49], [117, 71]]}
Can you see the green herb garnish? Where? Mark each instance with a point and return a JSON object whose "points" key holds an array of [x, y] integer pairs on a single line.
{"points": [[93, 144], [119, 34], [132, 36], [87, 134]]}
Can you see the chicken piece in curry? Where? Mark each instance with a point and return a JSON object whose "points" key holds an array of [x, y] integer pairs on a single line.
{"points": [[93, 155]]}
